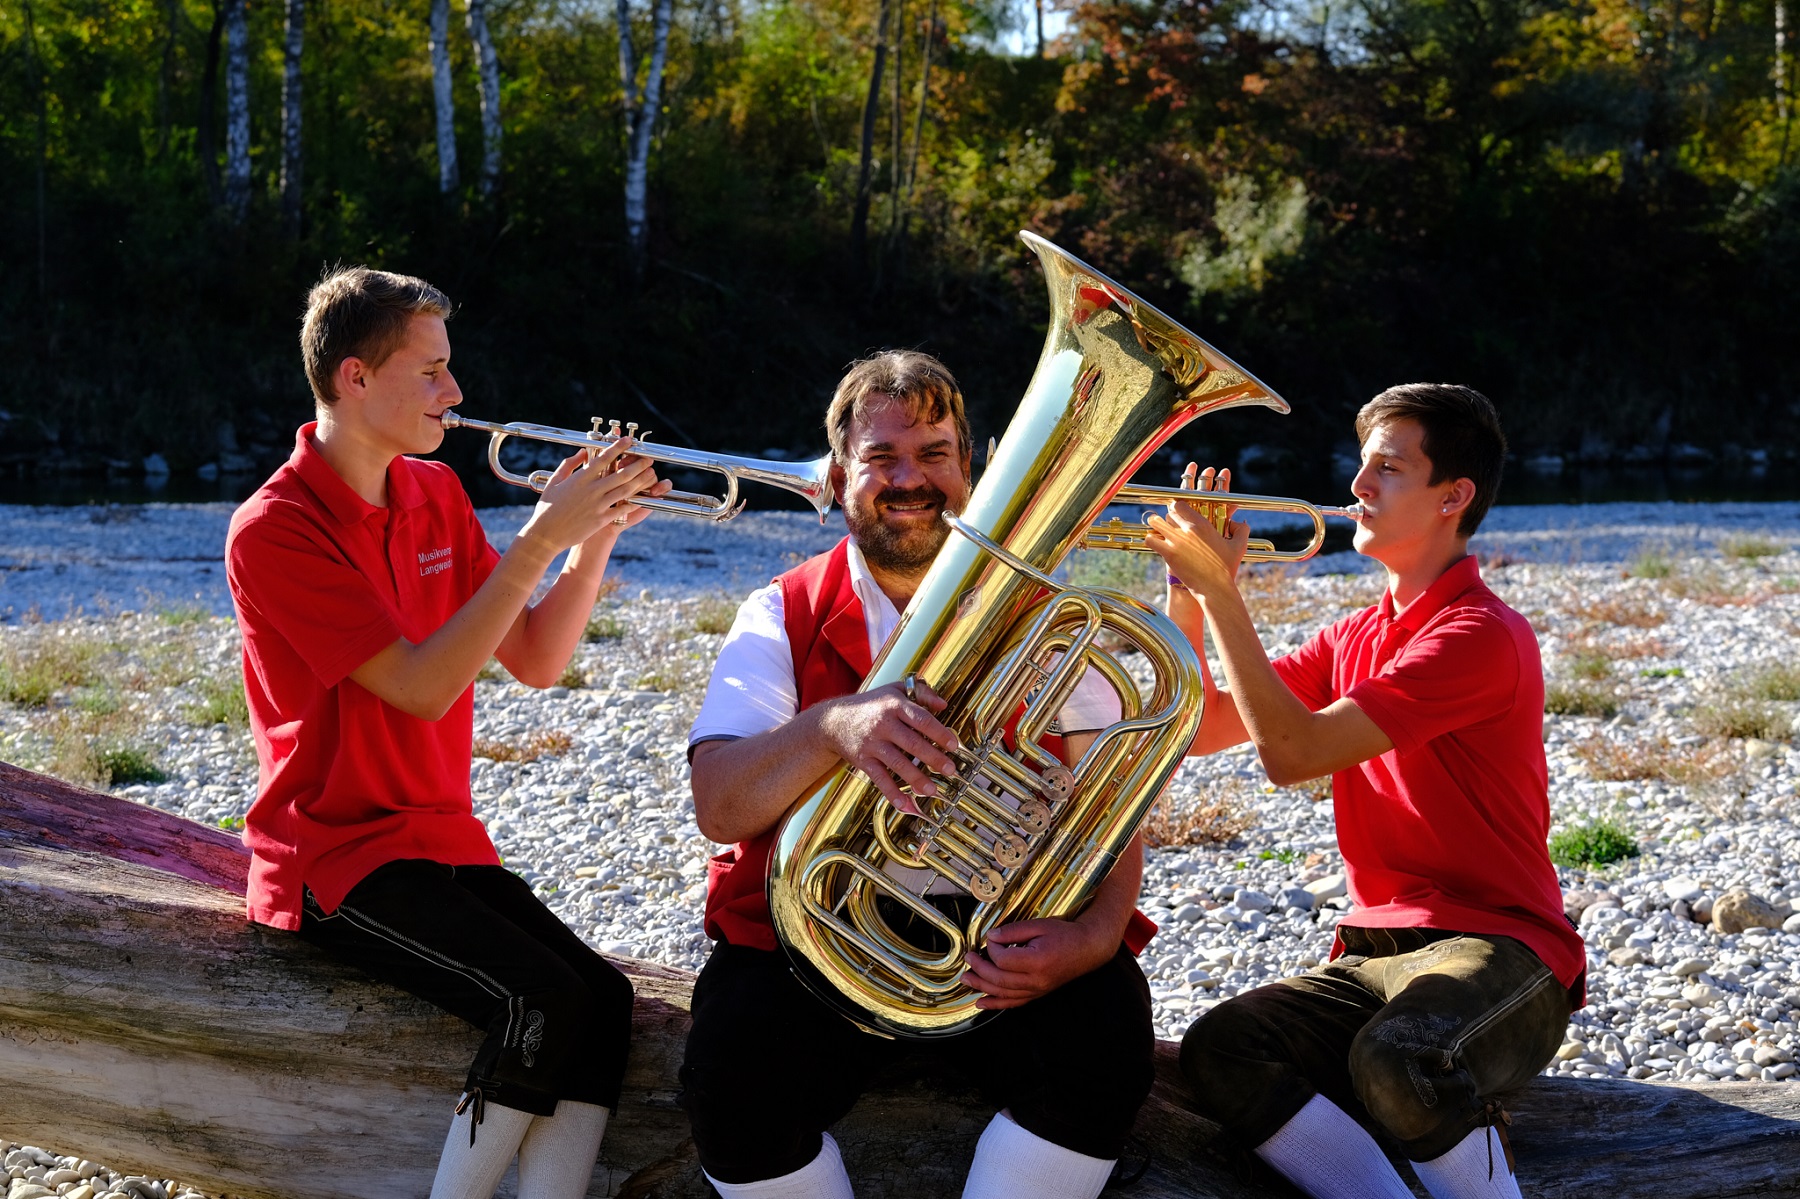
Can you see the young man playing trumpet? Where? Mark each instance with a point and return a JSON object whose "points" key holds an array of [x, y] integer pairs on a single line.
{"points": [[1453, 977], [368, 598], [769, 1066]]}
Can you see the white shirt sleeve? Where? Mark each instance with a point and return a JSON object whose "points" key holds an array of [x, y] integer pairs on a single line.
{"points": [[752, 687], [1092, 705]]}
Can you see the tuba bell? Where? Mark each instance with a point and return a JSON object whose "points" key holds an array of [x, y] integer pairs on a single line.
{"points": [[1020, 833]]}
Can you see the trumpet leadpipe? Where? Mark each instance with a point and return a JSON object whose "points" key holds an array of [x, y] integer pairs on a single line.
{"points": [[1216, 506]]}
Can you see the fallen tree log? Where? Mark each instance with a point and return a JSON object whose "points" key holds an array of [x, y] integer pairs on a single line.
{"points": [[145, 1024]]}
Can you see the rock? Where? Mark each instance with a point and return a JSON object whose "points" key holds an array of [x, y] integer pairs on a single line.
{"points": [[1681, 910], [1188, 913], [1578, 902], [1703, 909], [1570, 1051], [1770, 1055], [1628, 955], [1683, 888], [21, 1189], [1756, 749], [84, 1191], [1791, 924], [1701, 994], [57, 1177], [1331, 886], [1738, 909], [1297, 897], [156, 466], [1251, 901], [1690, 966]]}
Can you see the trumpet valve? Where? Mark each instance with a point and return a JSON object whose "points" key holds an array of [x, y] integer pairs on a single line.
{"points": [[596, 432], [631, 429], [615, 428]]}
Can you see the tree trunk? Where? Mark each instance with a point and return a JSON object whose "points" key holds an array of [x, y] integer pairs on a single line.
{"points": [[859, 220], [1780, 71], [165, 77], [1040, 28], [290, 117], [448, 178], [39, 89], [237, 111], [208, 121], [145, 1024], [640, 123], [488, 69]]}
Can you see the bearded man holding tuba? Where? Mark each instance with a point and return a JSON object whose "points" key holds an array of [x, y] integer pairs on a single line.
{"points": [[770, 1065]]}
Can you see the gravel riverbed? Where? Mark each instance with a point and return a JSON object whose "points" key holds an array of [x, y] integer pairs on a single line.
{"points": [[1669, 635]]}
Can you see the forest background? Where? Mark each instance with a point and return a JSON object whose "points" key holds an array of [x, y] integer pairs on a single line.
{"points": [[1589, 209]]}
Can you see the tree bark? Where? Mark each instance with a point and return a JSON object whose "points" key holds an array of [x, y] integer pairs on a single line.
{"points": [[448, 177], [208, 121], [640, 123], [145, 1024], [290, 117], [40, 93], [488, 70], [237, 111], [865, 181]]}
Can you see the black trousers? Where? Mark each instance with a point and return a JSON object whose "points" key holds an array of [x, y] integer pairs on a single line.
{"points": [[477, 943], [1413, 1031], [769, 1067]]}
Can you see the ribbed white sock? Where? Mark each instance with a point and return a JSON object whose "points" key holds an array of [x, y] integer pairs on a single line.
{"points": [[556, 1158], [468, 1171], [1012, 1163], [1463, 1172], [821, 1178], [1330, 1156]]}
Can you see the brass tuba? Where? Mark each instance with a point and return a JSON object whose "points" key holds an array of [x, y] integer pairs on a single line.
{"points": [[989, 629]]}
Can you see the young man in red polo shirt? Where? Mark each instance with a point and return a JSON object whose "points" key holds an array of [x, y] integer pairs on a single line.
{"points": [[769, 1067], [1453, 976], [368, 598]]}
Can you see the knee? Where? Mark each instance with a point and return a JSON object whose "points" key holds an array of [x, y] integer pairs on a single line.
{"points": [[1213, 1054], [1412, 1086]]}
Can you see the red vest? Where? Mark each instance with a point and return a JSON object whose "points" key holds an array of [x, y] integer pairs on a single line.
{"points": [[828, 635]]}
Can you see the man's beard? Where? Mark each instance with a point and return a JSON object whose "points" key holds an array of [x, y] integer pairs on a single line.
{"points": [[905, 551]]}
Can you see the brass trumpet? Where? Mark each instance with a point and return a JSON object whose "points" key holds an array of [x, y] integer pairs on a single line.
{"points": [[1117, 534], [810, 480]]}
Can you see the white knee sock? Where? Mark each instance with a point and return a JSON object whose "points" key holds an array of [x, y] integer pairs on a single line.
{"points": [[1330, 1156], [821, 1178], [1463, 1173], [472, 1171], [1011, 1163], [556, 1158]]}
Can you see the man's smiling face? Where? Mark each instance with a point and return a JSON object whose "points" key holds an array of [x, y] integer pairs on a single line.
{"points": [[900, 478]]}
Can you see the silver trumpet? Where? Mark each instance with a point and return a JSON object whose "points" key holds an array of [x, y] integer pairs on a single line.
{"points": [[812, 480], [1116, 534]]}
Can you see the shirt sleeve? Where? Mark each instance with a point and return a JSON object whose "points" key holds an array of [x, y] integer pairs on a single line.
{"points": [[1091, 706], [1308, 670], [296, 583], [1460, 672], [752, 689]]}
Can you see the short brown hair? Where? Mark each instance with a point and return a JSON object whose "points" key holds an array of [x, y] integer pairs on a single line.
{"points": [[1462, 438], [355, 312], [916, 380]]}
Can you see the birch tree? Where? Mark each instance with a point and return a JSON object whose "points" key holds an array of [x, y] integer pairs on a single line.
{"points": [[237, 112], [641, 109], [448, 178], [209, 99], [487, 66], [859, 220], [290, 117]]}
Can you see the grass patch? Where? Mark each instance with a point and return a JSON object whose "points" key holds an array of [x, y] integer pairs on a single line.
{"points": [[1580, 699], [1616, 612], [605, 627], [714, 615], [232, 824], [1779, 682], [1736, 716], [1137, 575], [1748, 549], [539, 745], [122, 765], [34, 669], [1198, 821], [572, 677], [1629, 761], [221, 701], [1651, 564], [1663, 672], [1593, 844], [183, 614], [1590, 665]]}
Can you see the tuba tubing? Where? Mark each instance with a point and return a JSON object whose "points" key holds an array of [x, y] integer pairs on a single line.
{"points": [[1018, 833]]}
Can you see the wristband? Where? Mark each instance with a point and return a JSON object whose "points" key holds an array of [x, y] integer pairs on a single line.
{"points": [[1175, 581]]}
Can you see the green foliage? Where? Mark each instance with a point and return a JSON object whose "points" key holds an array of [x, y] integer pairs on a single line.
{"points": [[122, 765], [1652, 564], [1590, 667], [222, 701], [1738, 716], [1748, 549], [1779, 681], [714, 615], [34, 669], [1594, 844], [1580, 699], [1137, 575], [604, 627]]}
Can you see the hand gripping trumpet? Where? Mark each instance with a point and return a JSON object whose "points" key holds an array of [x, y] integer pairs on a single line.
{"points": [[1216, 506], [811, 480], [877, 909]]}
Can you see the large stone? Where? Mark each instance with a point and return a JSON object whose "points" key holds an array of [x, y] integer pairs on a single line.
{"points": [[1332, 886], [1577, 902], [1738, 909]]}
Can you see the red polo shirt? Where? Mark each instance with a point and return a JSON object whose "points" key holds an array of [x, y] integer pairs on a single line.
{"points": [[323, 580], [1446, 830]]}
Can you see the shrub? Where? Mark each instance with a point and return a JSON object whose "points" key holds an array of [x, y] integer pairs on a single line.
{"points": [[1137, 575], [1749, 548], [222, 701], [1198, 820], [1580, 699], [1779, 682], [606, 627], [1615, 611], [714, 615], [1590, 665], [1735, 716], [1652, 564], [121, 765], [538, 745], [572, 677], [36, 669], [1593, 844]]}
